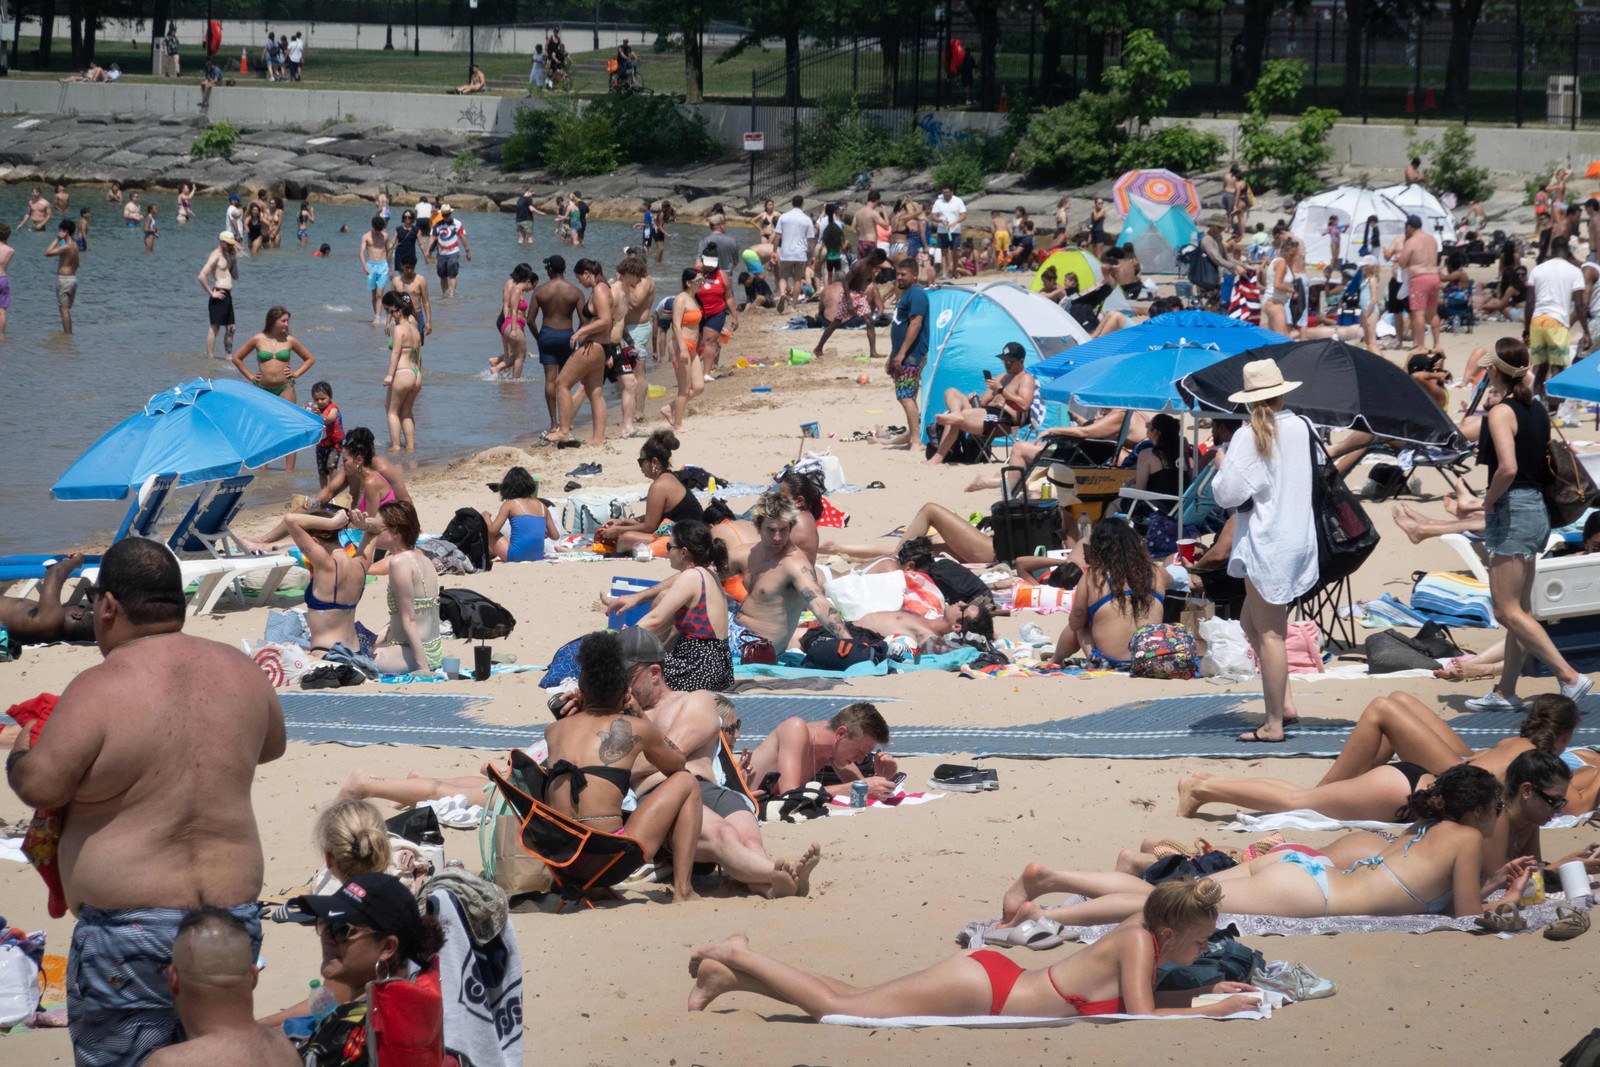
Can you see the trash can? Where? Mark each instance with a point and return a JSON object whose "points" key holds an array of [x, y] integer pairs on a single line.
{"points": [[1563, 100]]}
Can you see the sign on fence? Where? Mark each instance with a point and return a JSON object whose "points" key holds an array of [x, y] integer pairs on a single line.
{"points": [[755, 142]]}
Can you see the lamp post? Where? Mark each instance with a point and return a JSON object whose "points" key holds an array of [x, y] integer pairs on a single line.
{"points": [[416, 28], [472, 38], [597, 25], [388, 40]]}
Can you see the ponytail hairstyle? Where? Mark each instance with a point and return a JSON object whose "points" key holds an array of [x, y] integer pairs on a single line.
{"points": [[718, 512], [1543, 770], [1550, 722], [1511, 361], [1182, 904], [1456, 793], [694, 537], [352, 834], [400, 302], [1264, 425]]}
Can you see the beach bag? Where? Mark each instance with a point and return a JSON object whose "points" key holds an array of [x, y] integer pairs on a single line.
{"points": [[1345, 535], [966, 449], [584, 514], [1227, 652], [825, 652], [856, 595], [1568, 489], [19, 985], [505, 862], [810, 801], [1224, 960], [563, 665], [1203, 273], [1163, 650], [468, 532], [1388, 651], [1302, 641], [1179, 865], [474, 616], [1586, 1053]]}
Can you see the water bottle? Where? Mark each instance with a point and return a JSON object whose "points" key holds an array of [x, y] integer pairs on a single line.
{"points": [[321, 1001], [5, 643], [1034, 634], [858, 793]]}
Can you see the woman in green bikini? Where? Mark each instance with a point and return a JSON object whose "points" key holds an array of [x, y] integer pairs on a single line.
{"points": [[274, 347], [411, 644], [404, 380]]}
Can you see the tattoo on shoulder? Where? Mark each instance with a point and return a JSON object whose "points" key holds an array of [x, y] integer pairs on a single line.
{"points": [[617, 742]]}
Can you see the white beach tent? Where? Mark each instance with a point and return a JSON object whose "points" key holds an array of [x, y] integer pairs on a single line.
{"points": [[1415, 200], [971, 325], [1353, 207]]}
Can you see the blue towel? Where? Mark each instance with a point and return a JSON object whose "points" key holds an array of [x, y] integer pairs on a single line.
{"points": [[944, 661]]}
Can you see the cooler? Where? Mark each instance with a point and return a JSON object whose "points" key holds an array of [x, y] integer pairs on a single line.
{"points": [[1566, 586], [623, 586]]}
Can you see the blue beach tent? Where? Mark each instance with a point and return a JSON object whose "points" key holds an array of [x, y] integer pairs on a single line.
{"points": [[1158, 240]]}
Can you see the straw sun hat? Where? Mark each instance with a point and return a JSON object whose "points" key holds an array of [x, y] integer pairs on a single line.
{"points": [[1262, 381]]}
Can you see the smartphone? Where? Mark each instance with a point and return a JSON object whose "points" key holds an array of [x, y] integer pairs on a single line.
{"points": [[900, 778], [987, 376]]}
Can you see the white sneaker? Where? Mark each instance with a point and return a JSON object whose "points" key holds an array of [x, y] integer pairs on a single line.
{"points": [[1493, 701], [1576, 690]]}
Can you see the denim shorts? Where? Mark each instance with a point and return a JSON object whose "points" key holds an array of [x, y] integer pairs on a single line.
{"points": [[1519, 525]]}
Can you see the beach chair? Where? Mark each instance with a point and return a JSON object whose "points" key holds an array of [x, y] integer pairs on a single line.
{"points": [[405, 1020], [206, 528], [1199, 506], [581, 860], [140, 521], [1450, 463]]}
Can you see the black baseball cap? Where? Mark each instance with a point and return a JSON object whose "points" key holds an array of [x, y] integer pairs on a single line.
{"points": [[1414, 221], [555, 264], [1012, 351], [640, 647], [377, 900]]}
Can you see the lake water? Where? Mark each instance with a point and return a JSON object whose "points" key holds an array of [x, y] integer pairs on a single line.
{"points": [[140, 327]]}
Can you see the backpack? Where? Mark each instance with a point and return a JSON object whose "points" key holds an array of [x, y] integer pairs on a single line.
{"points": [[967, 448], [1225, 960], [1163, 650], [468, 532], [473, 615], [828, 653], [1586, 1053], [1345, 535]]}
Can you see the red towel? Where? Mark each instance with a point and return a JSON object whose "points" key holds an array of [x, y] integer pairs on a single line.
{"points": [[832, 516], [44, 832]]}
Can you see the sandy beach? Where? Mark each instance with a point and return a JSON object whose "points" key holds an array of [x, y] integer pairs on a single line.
{"points": [[608, 987]]}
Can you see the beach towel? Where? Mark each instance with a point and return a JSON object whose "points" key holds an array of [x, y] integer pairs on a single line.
{"points": [[43, 837], [482, 987], [943, 661], [1386, 611], [1271, 1002], [1306, 819], [1453, 599]]}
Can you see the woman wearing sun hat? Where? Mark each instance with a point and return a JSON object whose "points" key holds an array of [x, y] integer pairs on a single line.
{"points": [[1266, 475]]}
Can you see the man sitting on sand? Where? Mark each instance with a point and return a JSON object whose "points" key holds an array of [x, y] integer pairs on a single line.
{"points": [[796, 751], [781, 583], [213, 979], [39, 622]]}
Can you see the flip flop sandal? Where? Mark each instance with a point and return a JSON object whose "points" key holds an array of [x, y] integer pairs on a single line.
{"points": [[1037, 934], [876, 485], [1254, 738], [1570, 923], [1506, 919]]}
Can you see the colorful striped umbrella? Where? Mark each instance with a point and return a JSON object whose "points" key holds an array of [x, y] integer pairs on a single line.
{"points": [[1160, 189]]}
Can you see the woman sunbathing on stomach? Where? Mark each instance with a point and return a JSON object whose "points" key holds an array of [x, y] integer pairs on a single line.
{"points": [[1363, 784], [1115, 975], [1434, 868], [1121, 590]]}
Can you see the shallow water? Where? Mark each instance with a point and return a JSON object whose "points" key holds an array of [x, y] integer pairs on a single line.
{"points": [[140, 327]]}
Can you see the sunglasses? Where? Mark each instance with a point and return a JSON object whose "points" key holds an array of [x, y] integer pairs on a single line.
{"points": [[735, 726], [1556, 803], [341, 933]]}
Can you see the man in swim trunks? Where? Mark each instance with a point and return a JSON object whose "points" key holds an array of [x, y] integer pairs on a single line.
{"points": [[795, 750], [374, 257], [38, 622], [1555, 301], [447, 242], [868, 218], [632, 295], [6, 252], [908, 348], [65, 251], [781, 583], [1419, 258], [557, 302], [37, 213], [150, 757], [414, 285]]}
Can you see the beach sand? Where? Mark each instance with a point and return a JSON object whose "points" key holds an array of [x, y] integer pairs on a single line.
{"points": [[609, 986]]}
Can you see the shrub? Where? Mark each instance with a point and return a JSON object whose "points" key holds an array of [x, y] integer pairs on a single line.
{"points": [[216, 141], [464, 164], [1073, 144], [961, 167], [654, 128], [570, 141], [838, 142], [524, 149], [1450, 168], [581, 143], [1176, 148], [1285, 160]]}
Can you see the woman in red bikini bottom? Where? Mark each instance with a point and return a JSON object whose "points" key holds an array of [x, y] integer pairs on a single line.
{"points": [[1178, 918]]}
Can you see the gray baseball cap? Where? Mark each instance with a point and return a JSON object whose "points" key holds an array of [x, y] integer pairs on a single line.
{"points": [[640, 647]]}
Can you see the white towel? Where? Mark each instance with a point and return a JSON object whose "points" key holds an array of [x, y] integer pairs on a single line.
{"points": [[484, 1029], [1271, 1001], [11, 849], [1306, 819]]}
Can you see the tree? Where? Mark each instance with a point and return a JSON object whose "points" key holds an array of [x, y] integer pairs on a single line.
{"points": [[1147, 80], [987, 15]]}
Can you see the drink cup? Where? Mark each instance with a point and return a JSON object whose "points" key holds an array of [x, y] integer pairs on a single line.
{"points": [[1574, 881], [482, 658], [452, 666], [1186, 547]]}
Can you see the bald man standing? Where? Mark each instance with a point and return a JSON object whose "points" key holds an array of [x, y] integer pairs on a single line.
{"points": [[213, 980]]}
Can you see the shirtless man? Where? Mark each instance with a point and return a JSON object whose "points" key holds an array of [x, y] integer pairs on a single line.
{"points": [[37, 622], [37, 213], [63, 200], [557, 301], [213, 979], [793, 753], [133, 211], [729, 833], [632, 296], [869, 216], [781, 583], [374, 258], [415, 285], [6, 252], [957, 618], [150, 758], [65, 251], [1419, 258]]}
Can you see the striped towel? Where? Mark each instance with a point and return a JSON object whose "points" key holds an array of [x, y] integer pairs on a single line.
{"points": [[1453, 599]]}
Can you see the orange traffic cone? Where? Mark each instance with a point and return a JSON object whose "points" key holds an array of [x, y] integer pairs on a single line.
{"points": [[244, 66], [1411, 101], [1427, 100]]}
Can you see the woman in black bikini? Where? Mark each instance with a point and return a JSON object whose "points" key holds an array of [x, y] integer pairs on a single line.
{"points": [[592, 753], [590, 352], [1118, 972], [668, 500]]}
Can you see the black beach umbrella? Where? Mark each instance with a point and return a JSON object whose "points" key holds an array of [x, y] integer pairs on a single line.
{"points": [[1342, 386]]}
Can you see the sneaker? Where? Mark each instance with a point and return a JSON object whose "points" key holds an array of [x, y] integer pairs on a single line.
{"points": [[1493, 701], [1576, 690], [955, 778], [1293, 980]]}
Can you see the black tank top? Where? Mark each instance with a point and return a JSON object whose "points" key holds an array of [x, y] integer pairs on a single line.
{"points": [[1532, 442]]}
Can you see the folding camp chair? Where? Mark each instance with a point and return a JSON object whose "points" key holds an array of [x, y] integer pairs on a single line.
{"points": [[581, 860], [1199, 507], [140, 521], [1450, 463], [405, 1021], [207, 526]]}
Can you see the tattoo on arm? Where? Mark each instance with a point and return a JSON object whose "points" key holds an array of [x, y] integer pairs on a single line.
{"points": [[822, 607], [617, 742]]}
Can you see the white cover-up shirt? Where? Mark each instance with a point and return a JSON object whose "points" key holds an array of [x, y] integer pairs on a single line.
{"points": [[1275, 543]]}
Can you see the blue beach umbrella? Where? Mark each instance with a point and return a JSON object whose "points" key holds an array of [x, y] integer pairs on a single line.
{"points": [[1230, 336], [1141, 381], [201, 430], [1581, 381]]}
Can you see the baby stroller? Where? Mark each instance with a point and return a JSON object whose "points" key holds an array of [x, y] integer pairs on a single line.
{"points": [[1455, 308]]}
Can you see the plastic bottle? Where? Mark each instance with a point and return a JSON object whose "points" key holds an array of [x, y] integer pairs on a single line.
{"points": [[5, 644], [641, 552], [321, 1001], [1533, 892]]}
